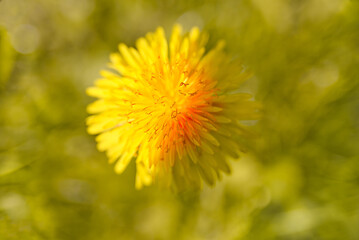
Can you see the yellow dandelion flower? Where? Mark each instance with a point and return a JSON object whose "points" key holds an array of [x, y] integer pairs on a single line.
{"points": [[173, 108]]}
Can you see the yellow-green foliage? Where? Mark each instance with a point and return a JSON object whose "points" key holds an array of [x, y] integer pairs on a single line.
{"points": [[298, 179]]}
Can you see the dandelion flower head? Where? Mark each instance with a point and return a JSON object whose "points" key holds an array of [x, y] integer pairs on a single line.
{"points": [[173, 108]]}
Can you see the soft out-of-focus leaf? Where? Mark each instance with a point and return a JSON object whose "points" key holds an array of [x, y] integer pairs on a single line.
{"points": [[7, 56]]}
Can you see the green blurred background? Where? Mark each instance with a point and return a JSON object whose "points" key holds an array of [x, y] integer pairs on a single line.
{"points": [[298, 180]]}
